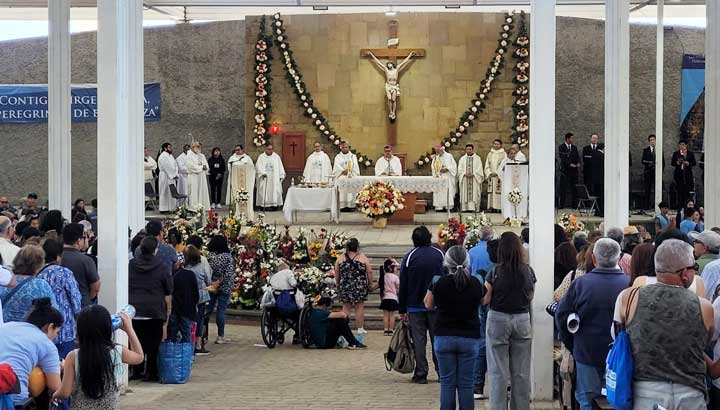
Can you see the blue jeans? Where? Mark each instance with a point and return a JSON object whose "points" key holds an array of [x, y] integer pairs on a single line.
{"points": [[222, 301], [178, 325], [482, 366], [589, 381], [456, 358]]}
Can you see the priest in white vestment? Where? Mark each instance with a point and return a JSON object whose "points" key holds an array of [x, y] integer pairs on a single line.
{"points": [[270, 174], [509, 183], [168, 175], [492, 168], [519, 156], [150, 165], [388, 164], [183, 170], [241, 175], [444, 166], [197, 182], [346, 166], [318, 167], [471, 176]]}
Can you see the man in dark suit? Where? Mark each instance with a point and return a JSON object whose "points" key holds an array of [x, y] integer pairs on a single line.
{"points": [[569, 164], [683, 160], [594, 170], [648, 161]]}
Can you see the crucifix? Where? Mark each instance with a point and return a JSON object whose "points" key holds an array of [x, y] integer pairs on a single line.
{"points": [[293, 145], [392, 71]]}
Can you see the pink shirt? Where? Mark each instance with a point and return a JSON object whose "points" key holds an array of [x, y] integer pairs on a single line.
{"points": [[392, 286]]}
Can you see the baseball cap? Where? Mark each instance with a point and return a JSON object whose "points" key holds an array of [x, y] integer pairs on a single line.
{"points": [[630, 230], [708, 238]]}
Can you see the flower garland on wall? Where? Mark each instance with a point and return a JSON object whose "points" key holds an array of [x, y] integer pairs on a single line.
{"points": [[467, 120], [521, 124], [295, 79], [262, 86]]}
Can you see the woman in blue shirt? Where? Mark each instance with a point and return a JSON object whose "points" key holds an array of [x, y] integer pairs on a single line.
{"points": [[67, 294], [691, 221], [17, 302]]}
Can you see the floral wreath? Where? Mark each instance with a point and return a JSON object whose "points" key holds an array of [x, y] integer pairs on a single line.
{"points": [[478, 104], [262, 86], [521, 108], [295, 79]]}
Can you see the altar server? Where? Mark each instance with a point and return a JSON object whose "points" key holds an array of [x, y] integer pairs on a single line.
{"points": [[444, 166], [270, 174], [182, 170], [346, 166], [492, 169], [237, 179], [318, 167], [168, 175], [197, 183], [471, 176], [388, 164]]}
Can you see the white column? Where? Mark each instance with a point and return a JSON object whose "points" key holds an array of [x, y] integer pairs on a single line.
{"points": [[59, 140], [136, 137], [617, 112], [542, 188], [118, 112], [712, 114], [659, 88]]}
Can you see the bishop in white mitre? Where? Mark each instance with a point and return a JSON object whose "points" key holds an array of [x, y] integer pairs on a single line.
{"points": [[167, 176], [492, 169], [444, 166], [471, 176], [182, 170], [346, 166], [388, 164], [241, 176], [269, 172], [197, 183], [318, 167]]}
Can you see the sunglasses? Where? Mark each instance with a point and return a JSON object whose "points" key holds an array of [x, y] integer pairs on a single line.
{"points": [[694, 267]]}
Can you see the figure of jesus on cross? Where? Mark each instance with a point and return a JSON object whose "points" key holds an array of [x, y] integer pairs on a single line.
{"points": [[392, 87]]}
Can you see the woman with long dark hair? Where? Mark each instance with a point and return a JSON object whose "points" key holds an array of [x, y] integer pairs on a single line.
{"points": [[97, 364], [353, 274], [52, 221], [642, 262], [78, 208], [217, 173], [565, 261], [222, 266], [510, 289], [457, 296]]}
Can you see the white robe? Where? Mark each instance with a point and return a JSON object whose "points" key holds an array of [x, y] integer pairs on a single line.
{"points": [[168, 172], [508, 209], [235, 164], [197, 183], [182, 173], [270, 174], [318, 168], [470, 187], [445, 199], [492, 166], [391, 167], [150, 166], [347, 200], [520, 157]]}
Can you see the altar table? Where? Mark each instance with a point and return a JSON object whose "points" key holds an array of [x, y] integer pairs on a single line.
{"points": [[310, 199]]}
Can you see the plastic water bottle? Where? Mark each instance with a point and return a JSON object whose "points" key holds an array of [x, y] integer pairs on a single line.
{"points": [[129, 310]]}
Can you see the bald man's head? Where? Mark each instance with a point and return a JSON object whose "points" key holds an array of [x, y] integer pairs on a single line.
{"points": [[5, 227]]}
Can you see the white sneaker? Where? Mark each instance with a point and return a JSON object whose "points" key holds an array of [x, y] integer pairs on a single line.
{"points": [[219, 206], [221, 340], [477, 396]]}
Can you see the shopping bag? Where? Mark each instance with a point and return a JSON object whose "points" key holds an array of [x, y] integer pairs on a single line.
{"points": [[175, 362], [619, 367]]}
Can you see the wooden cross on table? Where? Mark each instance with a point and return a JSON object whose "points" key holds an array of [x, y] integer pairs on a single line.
{"points": [[392, 71]]}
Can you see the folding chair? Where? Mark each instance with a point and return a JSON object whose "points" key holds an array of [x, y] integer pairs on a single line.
{"points": [[151, 196], [584, 198], [182, 199]]}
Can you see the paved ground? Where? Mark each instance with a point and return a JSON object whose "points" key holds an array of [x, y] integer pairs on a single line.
{"points": [[243, 376]]}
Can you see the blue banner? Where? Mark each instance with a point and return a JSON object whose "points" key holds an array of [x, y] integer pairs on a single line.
{"points": [[692, 109], [28, 104]]}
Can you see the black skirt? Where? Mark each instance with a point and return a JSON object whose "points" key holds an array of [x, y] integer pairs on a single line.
{"points": [[390, 305]]}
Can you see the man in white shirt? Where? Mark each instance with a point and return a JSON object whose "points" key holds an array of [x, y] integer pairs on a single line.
{"points": [[7, 279], [471, 176], [197, 183], [388, 164], [317, 167], [150, 166], [182, 170], [492, 169], [346, 166], [270, 172], [444, 166], [167, 176], [241, 175], [8, 250]]}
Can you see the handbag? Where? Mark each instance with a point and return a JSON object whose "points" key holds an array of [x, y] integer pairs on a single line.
{"points": [[552, 307], [619, 365], [175, 362]]}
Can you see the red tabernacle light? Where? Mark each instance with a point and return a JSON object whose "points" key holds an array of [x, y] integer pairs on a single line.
{"points": [[274, 129]]}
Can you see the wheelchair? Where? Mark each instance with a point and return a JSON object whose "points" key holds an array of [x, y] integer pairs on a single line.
{"points": [[274, 324]]}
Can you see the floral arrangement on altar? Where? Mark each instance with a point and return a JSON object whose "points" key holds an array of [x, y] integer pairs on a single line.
{"points": [[521, 125], [295, 79], [379, 200], [454, 230], [467, 119], [473, 224], [262, 86], [515, 196], [570, 224]]}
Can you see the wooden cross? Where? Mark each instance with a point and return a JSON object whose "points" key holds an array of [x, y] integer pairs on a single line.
{"points": [[392, 52], [293, 145]]}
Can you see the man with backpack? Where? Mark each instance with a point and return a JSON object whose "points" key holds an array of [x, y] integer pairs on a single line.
{"points": [[417, 270]]}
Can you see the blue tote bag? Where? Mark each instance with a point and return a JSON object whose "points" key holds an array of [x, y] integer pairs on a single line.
{"points": [[175, 362], [619, 366]]}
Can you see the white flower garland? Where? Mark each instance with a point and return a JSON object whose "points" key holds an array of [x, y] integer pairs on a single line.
{"points": [[521, 124], [262, 85], [486, 86]]}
